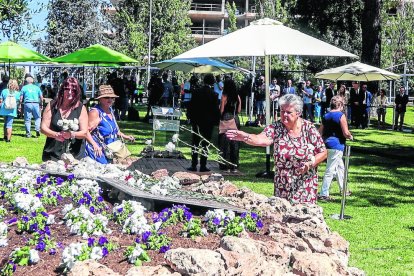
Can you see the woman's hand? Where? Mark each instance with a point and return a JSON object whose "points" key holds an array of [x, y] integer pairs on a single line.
{"points": [[130, 138], [97, 149], [305, 167], [58, 136], [66, 135], [236, 135]]}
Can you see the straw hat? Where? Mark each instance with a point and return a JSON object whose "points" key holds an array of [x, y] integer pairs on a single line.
{"points": [[106, 91]]}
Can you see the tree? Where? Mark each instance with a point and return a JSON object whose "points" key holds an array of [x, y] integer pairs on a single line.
{"points": [[14, 19], [231, 10], [71, 25], [170, 28], [336, 22], [397, 20], [371, 33]]}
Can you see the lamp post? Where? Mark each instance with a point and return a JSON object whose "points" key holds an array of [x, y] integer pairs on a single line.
{"points": [[149, 43]]}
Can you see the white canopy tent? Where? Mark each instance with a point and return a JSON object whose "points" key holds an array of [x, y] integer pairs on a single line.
{"points": [[266, 37]]}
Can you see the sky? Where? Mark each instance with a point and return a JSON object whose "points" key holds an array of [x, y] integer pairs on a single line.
{"points": [[37, 19]]}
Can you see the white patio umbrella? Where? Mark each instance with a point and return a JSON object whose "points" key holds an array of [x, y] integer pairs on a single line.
{"points": [[357, 71], [265, 37]]}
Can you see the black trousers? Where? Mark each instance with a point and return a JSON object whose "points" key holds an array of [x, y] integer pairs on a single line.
{"points": [[200, 145]]}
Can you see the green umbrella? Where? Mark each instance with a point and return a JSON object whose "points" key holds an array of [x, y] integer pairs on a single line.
{"points": [[95, 54], [13, 52]]}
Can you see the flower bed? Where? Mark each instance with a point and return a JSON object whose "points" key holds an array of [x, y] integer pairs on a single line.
{"points": [[47, 224]]}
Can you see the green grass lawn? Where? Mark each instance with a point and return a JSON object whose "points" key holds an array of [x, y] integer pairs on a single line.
{"points": [[381, 231]]}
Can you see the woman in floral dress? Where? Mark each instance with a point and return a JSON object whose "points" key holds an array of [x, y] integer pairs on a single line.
{"points": [[298, 150]]}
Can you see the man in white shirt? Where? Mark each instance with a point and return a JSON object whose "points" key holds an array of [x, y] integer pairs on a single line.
{"points": [[274, 96]]}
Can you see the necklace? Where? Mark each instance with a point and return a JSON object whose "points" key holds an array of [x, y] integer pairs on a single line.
{"points": [[65, 113]]}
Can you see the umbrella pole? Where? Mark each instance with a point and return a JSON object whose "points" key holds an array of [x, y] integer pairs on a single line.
{"points": [[251, 90], [267, 173], [342, 215], [93, 81], [9, 69]]}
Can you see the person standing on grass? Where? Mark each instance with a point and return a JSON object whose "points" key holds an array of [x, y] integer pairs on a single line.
{"points": [[204, 114], [401, 101], [298, 150], [381, 102], [32, 98], [67, 106], [334, 130], [9, 99]]}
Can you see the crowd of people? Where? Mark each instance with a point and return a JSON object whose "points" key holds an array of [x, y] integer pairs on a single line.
{"points": [[299, 146]]}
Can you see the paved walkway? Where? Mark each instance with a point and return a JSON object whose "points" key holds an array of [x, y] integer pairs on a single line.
{"points": [[149, 165]]}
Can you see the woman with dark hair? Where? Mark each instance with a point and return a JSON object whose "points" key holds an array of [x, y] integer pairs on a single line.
{"points": [[65, 123], [334, 131], [229, 108]]}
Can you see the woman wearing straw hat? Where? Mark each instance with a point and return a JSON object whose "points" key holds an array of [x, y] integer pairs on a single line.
{"points": [[102, 126], [65, 123]]}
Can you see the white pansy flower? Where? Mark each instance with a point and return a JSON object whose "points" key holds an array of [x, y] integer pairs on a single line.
{"points": [[34, 256], [96, 253]]}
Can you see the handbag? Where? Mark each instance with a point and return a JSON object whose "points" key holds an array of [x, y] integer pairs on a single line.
{"points": [[227, 125], [119, 149]]}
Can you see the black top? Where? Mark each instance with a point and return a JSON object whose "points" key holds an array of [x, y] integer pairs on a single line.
{"points": [[231, 107], [401, 100], [203, 108], [53, 148]]}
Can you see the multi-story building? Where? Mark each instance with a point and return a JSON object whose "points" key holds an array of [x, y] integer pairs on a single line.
{"points": [[210, 19]]}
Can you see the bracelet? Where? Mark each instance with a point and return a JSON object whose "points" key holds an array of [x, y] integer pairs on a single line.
{"points": [[72, 135]]}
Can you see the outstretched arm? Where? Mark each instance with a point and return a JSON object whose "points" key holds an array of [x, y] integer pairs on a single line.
{"points": [[260, 140]]}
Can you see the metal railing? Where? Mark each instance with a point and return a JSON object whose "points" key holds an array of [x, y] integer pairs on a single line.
{"points": [[205, 7], [207, 30]]}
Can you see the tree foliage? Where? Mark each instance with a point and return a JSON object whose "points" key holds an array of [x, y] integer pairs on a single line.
{"points": [[14, 19], [170, 28], [231, 10], [71, 25], [397, 33]]}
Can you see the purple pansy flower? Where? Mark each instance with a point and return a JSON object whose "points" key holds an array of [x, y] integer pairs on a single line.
{"points": [[104, 251], [103, 241], [91, 242]]}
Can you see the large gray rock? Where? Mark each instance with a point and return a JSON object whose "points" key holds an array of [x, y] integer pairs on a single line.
{"points": [[151, 271], [239, 245], [159, 174], [187, 178], [90, 268], [249, 264], [190, 261], [299, 213], [20, 162], [314, 264]]}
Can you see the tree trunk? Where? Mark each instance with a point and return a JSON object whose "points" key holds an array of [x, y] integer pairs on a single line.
{"points": [[371, 33]]}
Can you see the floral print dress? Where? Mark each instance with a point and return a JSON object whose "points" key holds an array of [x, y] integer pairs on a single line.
{"points": [[290, 154]]}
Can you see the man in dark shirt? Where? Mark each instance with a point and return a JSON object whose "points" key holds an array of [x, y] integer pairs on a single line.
{"points": [[401, 101], [329, 93], [204, 114], [356, 99], [4, 82]]}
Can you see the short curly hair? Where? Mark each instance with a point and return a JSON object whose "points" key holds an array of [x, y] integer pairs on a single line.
{"points": [[292, 99]]}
